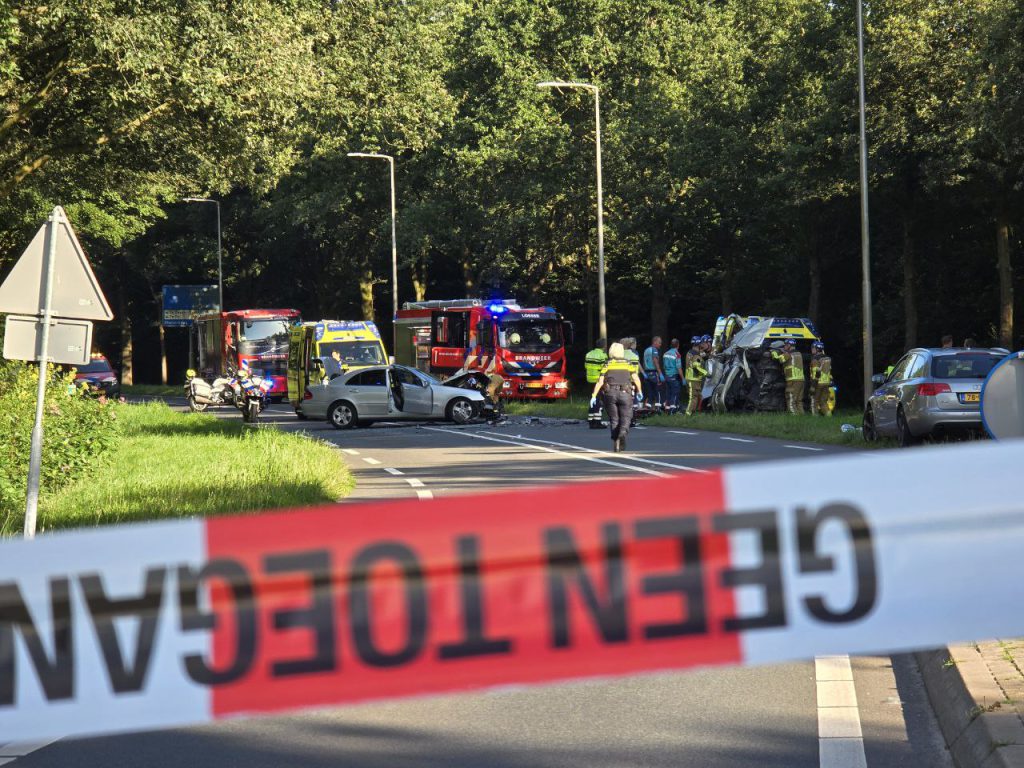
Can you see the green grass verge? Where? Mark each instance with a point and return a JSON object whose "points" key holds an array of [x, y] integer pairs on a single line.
{"points": [[806, 428], [782, 426], [167, 464], [151, 390]]}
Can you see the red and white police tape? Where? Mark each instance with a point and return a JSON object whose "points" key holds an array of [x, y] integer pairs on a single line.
{"points": [[166, 624]]}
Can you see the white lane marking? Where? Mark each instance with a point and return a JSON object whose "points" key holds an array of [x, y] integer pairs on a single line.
{"points": [[639, 427], [549, 450], [414, 482], [629, 457], [424, 494], [803, 448], [6, 760], [680, 432], [393, 471], [736, 439], [369, 460], [350, 451], [840, 738]]}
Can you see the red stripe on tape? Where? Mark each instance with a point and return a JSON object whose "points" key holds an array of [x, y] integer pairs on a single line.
{"points": [[397, 599]]}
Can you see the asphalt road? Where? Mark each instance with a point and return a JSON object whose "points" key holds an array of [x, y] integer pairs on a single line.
{"points": [[766, 717]]}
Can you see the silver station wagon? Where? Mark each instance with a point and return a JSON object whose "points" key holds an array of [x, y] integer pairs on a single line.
{"points": [[389, 393], [930, 393]]}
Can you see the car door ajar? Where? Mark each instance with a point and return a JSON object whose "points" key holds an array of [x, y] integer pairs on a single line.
{"points": [[417, 395]]}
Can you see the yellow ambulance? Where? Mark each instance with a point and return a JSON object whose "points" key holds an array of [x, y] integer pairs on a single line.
{"points": [[319, 351]]}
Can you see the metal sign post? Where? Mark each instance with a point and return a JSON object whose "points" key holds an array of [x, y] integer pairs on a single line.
{"points": [[35, 460], [52, 279]]}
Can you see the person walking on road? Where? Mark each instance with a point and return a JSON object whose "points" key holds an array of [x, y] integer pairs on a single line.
{"points": [[821, 379], [618, 384], [793, 370], [672, 367], [653, 376], [695, 375]]}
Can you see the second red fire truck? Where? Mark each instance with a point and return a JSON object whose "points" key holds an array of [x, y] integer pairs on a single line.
{"points": [[527, 344]]}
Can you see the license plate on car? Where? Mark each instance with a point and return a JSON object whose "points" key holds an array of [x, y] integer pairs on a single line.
{"points": [[535, 385], [970, 397]]}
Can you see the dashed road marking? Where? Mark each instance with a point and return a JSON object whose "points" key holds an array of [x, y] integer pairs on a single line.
{"points": [[803, 448], [370, 460], [629, 457], [414, 482], [840, 738], [681, 432], [393, 471], [350, 451], [423, 494], [736, 439], [579, 456]]}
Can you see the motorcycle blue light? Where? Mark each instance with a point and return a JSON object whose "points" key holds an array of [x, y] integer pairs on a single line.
{"points": [[498, 308]]}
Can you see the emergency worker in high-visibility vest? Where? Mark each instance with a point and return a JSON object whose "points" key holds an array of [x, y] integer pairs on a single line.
{"points": [[793, 370], [595, 361], [821, 379], [619, 385], [695, 374]]}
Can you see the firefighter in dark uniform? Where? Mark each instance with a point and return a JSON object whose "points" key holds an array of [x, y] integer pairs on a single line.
{"points": [[821, 379], [695, 373], [793, 369], [618, 383]]}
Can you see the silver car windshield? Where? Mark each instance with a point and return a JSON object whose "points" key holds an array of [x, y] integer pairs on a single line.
{"points": [[964, 365]]}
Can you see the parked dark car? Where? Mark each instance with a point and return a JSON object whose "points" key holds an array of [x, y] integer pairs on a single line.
{"points": [[99, 376]]}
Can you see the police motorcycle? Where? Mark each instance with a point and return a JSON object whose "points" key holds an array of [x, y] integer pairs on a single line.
{"points": [[201, 394], [251, 393]]}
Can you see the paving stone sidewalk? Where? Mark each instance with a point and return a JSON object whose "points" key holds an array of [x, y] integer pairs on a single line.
{"points": [[977, 692]]}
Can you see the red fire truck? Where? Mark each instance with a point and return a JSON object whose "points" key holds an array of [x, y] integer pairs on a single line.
{"points": [[527, 344], [258, 337]]}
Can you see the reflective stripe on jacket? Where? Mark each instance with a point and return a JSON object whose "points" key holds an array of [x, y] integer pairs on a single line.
{"points": [[695, 370], [593, 363], [618, 373], [821, 370], [792, 364]]}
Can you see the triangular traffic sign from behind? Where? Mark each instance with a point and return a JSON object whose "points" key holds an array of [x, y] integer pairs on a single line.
{"points": [[76, 293]]}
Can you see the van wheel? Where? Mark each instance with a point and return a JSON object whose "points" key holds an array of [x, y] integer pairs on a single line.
{"points": [[461, 411], [906, 438], [342, 415]]}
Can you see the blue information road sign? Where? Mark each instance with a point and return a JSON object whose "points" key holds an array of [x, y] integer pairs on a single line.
{"points": [[183, 302]]}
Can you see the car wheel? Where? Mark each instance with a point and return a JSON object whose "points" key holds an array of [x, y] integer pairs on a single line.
{"points": [[906, 438], [461, 411], [868, 426], [196, 407], [342, 415]]}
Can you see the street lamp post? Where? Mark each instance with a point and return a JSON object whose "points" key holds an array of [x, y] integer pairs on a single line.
{"points": [[865, 251], [394, 244], [220, 266], [601, 316]]}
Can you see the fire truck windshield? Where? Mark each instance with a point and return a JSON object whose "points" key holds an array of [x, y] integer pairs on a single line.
{"points": [[263, 337], [531, 335]]}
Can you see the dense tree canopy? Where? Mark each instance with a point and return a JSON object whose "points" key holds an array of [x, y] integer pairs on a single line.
{"points": [[730, 157]]}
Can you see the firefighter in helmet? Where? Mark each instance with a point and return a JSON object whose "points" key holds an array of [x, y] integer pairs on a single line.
{"points": [[695, 374], [793, 369], [821, 379]]}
